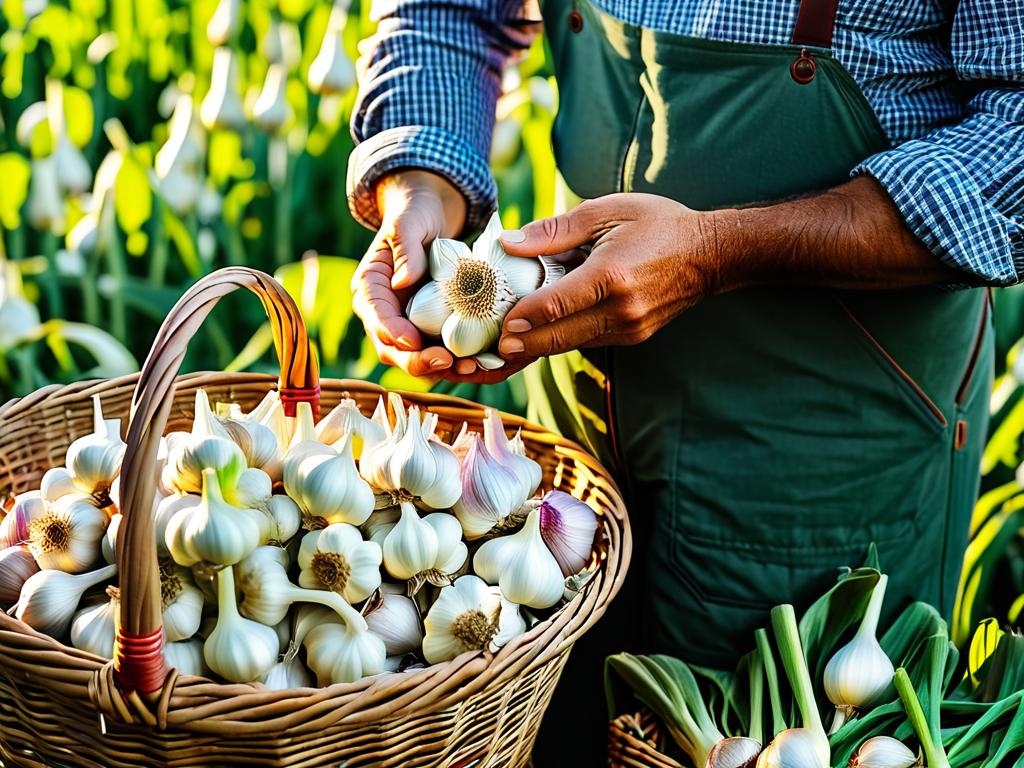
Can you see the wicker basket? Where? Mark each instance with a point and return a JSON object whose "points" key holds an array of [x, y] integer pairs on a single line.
{"points": [[63, 707], [637, 740]]}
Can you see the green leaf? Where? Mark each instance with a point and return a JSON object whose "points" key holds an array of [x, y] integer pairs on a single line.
{"points": [[133, 198], [112, 358], [15, 172]]}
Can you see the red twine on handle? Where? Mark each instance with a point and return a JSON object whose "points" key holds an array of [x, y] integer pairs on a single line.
{"points": [[291, 396], [139, 662]]}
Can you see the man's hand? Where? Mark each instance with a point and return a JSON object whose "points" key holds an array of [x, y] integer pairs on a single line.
{"points": [[651, 259]]}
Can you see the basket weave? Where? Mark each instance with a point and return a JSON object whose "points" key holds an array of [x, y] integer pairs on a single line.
{"points": [[62, 707], [636, 741]]}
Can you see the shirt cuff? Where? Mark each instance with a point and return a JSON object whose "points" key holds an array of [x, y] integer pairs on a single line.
{"points": [[424, 147], [948, 211]]}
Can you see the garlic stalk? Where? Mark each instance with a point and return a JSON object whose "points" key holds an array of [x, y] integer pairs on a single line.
{"points": [[186, 656], [469, 616], [860, 672], [331, 71], [94, 629], [337, 558], [396, 621], [338, 654], [14, 528], [95, 460], [225, 22], [326, 484], [239, 650], [931, 745], [49, 598], [57, 482], [884, 752], [346, 419], [491, 492], [222, 107], [522, 566], [181, 602], [67, 537], [213, 532], [271, 110], [470, 292], [568, 527], [16, 566], [526, 470], [207, 446]]}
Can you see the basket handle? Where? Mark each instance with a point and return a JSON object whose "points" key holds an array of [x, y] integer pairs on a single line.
{"points": [[138, 656]]}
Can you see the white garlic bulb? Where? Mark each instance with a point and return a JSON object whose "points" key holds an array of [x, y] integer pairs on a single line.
{"points": [[222, 106], [469, 616], [225, 22], [108, 545], [94, 629], [470, 292], [182, 602], [67, 537], [213, 532], [95, 460], [331, 71], [258, 443], [287, 674], [526, 470], [16, 566], [522, 566], [860, 672], [397, 622], [346, 419], [186, 656], [165, 512], [252, 490], [14, 527], [337, 558], [327, 484], [411, 547], [568, 527], [45, 210], [57, 482], [239, 650], [271, 110], [286, 517], [49, 598], [491, 492], [338, 654], [796, 748], [207, 446], [885, 752]]}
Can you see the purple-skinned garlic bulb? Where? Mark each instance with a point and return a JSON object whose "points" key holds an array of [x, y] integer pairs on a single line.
{"points": [[568, 527]]}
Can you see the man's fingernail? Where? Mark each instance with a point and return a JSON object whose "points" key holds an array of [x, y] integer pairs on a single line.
{"points": [[511, 346], [404, 342], [513, 235], [465, 367], [519, 325], [437, 363]]}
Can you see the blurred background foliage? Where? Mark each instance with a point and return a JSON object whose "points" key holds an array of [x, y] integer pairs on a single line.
{"points": [[145, 143]]}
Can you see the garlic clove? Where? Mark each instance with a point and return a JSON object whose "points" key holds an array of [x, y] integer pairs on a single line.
{"points": [[14, 528], [286, 517], [568, 527], [346, 420], [411, 547], [67, 537], [466, 336], [522, 566], [165, 511], [444, 257], [337, 558], [527, 471], [108, 545], [49, 598], [490, 491], [451, 549], [94, 628], [885, 752], [182, 602], [328, 485], [397, 623], [428, 309], [16, 566], [447, 487], [57, 482], [287, 674], [252, 490], [488, 361]]}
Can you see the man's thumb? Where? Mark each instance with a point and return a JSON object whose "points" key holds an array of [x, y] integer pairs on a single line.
{"points": [[551, 236]]}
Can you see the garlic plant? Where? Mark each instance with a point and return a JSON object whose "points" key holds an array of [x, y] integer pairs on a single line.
{"points": [[45, 209], [49, 598], [213, 532], [469, 616], [337, 558], [885, 752], [522, 566], [860, 672], [225, 22], [331, 71], [222, 107], [471, 291], [74, 176], [238, 649], [95, 460], [67, 536]]}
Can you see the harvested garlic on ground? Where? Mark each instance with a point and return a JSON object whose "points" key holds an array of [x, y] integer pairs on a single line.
{"points": [[522, 566], [491, 493], [49, 598], [181, 601], [860, 672], [337, 558], [67, 537], [213, 532], [469, 616], [95, 460], [471, 291], [238, 649]]}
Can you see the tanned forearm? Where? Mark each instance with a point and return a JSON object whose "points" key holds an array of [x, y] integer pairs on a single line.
{"points": [[851, 236]]}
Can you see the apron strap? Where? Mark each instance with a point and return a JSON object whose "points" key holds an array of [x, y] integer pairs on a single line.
{"points": [[814, 22]]}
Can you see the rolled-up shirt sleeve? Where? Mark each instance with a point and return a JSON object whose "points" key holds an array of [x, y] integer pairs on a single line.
{"points": [[429, 81], [960, 188]]}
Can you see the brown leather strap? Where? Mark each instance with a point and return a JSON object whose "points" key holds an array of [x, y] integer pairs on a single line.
{"points": [[814, 22]]}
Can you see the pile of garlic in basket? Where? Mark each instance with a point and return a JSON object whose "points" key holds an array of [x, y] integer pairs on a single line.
{"points": [[348, 548]]}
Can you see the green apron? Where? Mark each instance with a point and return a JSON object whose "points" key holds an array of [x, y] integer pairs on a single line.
{"points": [[768, 435]]}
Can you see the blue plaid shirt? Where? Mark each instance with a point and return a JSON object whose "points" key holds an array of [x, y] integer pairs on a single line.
{"points": [[431, 76]]}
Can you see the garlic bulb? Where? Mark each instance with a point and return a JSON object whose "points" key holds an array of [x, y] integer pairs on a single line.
{"points": [[238, 649], [397, 622], [411, 554], [884, 752], [271, 110], [94, 629], [470, 292], [331, 71], [288, 673], [213, 532], [408, 464], [207, 446], [411, 547], [860, 672], [796, 748], [568, 527], [522, 566], [108, 545], [526, 470], [74, 176], [286, 517], [222, 107], [67, 537], [491, 492], [282, 44], [181, 601], [258, 443], [469, 616], [49, 598], [338, 654], [57, 482], [346, 419], [252, 490], [16, 566], [225, 22], [183, 151], [14, 528], [326, 484], [186, 656], [734, 752], [337, 558], [165, 512], [95, 460]]}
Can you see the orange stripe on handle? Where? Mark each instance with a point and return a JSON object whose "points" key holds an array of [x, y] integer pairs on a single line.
{"points": [[290, 396]]}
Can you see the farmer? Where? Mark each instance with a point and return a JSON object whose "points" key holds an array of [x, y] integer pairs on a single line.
{"points": [[791, 208]]}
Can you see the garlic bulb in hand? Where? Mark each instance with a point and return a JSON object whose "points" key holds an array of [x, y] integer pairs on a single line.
{"points": [[469, 616], [522, 566], [491, 492], [181, 601], [16, 566], [525, 469], [471, 291], [860, 672], [95, 460], [67, 537], [49, 598], [885, 752], [396, 621], [568, 527], [213, 532], [94, 629], [238, 649], [337, 558]]}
